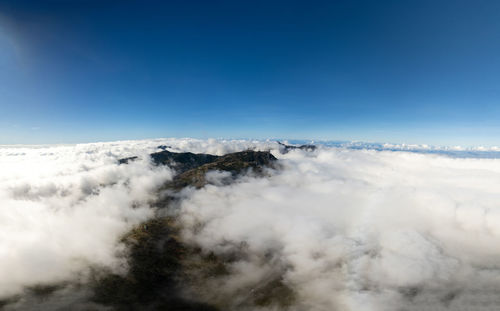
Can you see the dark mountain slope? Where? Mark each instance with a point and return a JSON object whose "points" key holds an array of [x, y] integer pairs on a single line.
{"points": [[235, 163], [182, 162], [162, 268]]}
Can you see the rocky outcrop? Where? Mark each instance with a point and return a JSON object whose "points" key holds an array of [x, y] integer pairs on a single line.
{"points": [[164, 270], [234, 163], [183, 161], [286, 148]]}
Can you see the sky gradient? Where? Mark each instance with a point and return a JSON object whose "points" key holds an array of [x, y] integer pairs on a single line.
{"points": [[384, 71]]}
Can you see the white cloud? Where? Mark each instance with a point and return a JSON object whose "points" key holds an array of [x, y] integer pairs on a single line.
{"points": [[362, 229], [347, 229], [63, 209]]}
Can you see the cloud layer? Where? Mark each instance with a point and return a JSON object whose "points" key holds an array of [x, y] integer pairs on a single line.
{"points": [[62, 210], [344, 229], [361, 229]]}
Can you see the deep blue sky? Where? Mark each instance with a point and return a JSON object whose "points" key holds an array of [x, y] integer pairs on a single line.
{"points": [[386, 71]]}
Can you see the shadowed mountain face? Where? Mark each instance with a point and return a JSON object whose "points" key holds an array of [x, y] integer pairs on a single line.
{"points": [[162, 268], [182, 162], [234, 163], [164, 272], [286, 148], [155, 277]]}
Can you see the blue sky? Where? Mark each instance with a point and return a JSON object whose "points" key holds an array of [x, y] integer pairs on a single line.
{"points": [[385, 71]]}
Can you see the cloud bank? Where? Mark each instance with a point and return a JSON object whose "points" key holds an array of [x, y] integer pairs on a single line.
{"points": [[342, 228], [62, 210], [361, 230]]}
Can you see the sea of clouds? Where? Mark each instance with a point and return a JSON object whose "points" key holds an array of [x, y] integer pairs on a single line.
{"points": [[344, 228], [64, 208]]}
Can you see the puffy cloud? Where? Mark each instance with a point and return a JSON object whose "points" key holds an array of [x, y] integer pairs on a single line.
{"points": [[344, 227], [63, 209], [362, 229]]}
